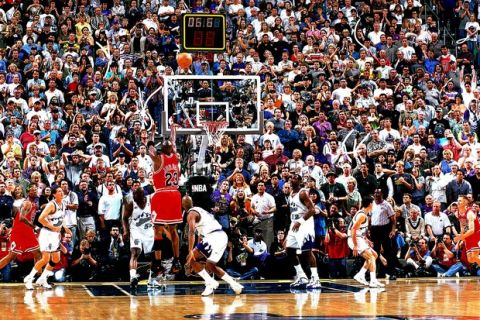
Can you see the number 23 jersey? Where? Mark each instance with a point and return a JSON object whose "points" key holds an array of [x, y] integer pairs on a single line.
{"points": [[168, 175]]}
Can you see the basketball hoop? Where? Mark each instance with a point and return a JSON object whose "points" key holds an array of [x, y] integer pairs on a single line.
{"points": [[214, 130]]}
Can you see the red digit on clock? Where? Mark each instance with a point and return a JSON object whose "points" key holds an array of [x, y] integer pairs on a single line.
{"points": [[210, 39], [198, 38]]}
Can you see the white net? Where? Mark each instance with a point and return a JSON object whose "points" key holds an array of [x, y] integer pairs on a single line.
{"points": [[214, 130]]}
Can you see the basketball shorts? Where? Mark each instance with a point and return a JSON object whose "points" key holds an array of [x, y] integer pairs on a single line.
{"points": [[23, 243], [167, 206], [472, 243], [304, 238], [142, 239], [48, 240], [362, 244], [213, 245]]}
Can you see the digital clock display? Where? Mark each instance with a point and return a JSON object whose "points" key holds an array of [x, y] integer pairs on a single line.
{"points": [[203, 32]]}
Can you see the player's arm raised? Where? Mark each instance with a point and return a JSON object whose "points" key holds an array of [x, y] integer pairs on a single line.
{"points": [[49, 209]]}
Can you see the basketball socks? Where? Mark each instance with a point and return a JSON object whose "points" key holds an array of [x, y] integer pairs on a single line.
{"points": [[373, 276], [300, 272], [205, 276], [314, 273], [32, 273], [133, 273], [362, 272], [226, 277]]}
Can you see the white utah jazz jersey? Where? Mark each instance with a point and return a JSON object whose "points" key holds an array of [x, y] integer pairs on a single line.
{"points": [[56, 219], [362, 231], [141, 219], [207, 223], [297, 208]]}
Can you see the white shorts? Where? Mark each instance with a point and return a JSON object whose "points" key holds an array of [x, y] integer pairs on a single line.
{"points": [[142, 240], [213, 245], [362, 244], [304, 238], [49, 241]]}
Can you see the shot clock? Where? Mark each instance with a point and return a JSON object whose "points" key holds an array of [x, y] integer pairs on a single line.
{"points": [[203, 32]]}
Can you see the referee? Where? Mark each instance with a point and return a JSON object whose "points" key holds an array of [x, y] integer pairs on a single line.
{"points": [[382, 230]]}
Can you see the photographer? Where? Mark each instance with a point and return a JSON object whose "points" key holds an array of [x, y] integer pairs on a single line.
{"points": [[239, 260], [446, 255], [337, 248], [418, 258], [83, 264], [4, 246]]}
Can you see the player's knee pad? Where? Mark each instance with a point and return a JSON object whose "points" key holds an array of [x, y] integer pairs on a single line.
{"points": [[51, 263]]}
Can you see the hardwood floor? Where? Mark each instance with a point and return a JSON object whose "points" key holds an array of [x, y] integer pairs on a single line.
{"points": [[404, 298]]}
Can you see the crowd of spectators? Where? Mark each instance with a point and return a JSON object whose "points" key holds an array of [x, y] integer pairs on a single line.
{"points": [[357, 97]]}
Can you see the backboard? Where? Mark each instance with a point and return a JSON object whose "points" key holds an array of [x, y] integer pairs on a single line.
{"points": [[191, 99]]}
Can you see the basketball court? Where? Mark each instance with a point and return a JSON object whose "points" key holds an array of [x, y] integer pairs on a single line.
{"points": [[428, 298]]}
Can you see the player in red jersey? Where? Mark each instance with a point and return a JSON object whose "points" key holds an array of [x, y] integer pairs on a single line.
{"points": [[23, 237], [166, 202], [471, 236]]}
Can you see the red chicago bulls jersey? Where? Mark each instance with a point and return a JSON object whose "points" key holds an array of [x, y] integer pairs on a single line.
{"points": [[168, 175], [22, 237], [472, 243]]}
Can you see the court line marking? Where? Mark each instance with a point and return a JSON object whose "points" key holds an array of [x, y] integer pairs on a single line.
{"points": [[90, 293], [122, 290]]}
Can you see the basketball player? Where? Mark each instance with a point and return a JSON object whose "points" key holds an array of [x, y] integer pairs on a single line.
{"points": [[52, 219], [22, 236], [166, 201], [469, 222], [357, 233], [137, 219], [212, 246], [301, 236]]}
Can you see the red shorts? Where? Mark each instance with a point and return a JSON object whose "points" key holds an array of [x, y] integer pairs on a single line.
{"points": [[23, 242], [472, 243], [167, 206]]}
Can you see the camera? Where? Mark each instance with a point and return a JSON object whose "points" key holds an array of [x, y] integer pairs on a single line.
{"points": [[330, 224], [440, 239], [86, 250], [413, 244]]}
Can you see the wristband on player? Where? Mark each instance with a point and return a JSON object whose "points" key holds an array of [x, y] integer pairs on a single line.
{"points": [[301, 220]]}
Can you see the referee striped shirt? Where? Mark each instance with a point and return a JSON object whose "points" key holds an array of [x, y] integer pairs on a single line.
{"points": [[381, 213]]}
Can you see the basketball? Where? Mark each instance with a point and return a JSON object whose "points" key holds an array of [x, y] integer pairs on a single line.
{"points": [[184, 60]]}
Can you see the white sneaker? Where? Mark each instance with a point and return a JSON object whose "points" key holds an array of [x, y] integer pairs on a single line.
{"points": [[440, 275], [153, 283], [299, 282], [314, 284], [376, 284], [237, 288], [42, 282], [28, 282], [209, 288], [360, 279]]}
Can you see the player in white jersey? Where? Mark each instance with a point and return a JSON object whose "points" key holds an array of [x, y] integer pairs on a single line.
{"points": [[212, 246], [357, 241], [137, 220], [301, 236], [52, 219]]}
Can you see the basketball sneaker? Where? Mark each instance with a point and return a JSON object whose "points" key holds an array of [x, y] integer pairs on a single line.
{"points": [[42, 282], [28, 282], [376, 284], [176, 267], [209, 288], [300, 282], [237, 288], [361, 279], [134, 282], [314, 284]]}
